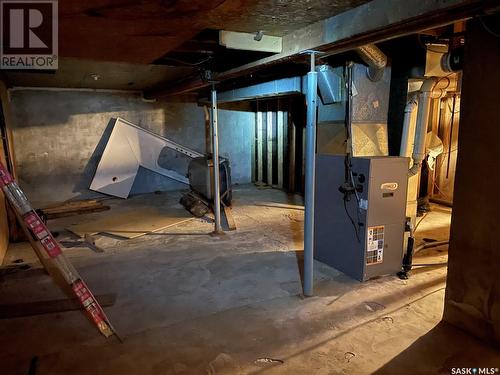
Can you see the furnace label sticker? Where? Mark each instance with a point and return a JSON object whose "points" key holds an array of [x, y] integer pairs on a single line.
{"points": [[375, 245]]}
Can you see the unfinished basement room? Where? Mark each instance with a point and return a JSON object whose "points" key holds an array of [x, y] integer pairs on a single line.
{"points": [[231, 187]]}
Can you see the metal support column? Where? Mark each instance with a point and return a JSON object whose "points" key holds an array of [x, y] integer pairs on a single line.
{"points": [[215, 148], [310, 150], [260, 148], [269, 129], [280, 141]]}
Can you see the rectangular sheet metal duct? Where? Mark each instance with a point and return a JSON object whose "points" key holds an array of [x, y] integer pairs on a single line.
{"points": [[279, 87], [130, 147]]}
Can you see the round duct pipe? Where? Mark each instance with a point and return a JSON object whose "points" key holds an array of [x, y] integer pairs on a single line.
{"points": [[453, 61], [375, 59]]}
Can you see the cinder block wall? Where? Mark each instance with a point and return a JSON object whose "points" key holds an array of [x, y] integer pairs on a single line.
{"points": [[59, 137]]}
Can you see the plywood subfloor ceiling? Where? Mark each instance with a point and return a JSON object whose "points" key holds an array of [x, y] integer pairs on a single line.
{"points": [[143, 31]]}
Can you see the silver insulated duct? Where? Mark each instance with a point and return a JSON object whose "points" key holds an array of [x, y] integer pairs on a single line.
{"points": [[375, 59]]}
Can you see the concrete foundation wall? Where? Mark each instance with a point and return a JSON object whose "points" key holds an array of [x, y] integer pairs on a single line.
{"points": [[473, 286], [59, 137]]}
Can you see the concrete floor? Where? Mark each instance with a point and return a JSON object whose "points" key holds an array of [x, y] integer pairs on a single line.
{"points": [[191, 303]]}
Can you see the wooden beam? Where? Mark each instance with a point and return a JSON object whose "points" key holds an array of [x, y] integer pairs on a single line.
{"points": [[228, 214], [247, 41], [373, 22], [198, 46]]}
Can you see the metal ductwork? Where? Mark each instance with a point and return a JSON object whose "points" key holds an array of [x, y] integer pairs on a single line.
{"points": [[453, 61], [330, 84], [375, 59]]}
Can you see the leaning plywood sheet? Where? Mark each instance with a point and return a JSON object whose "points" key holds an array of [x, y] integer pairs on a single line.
{"points": [[133, 223], [130, 147]]}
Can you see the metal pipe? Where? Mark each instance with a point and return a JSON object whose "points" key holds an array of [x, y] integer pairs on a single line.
{"points": [[424, 108], [405, 137], [430, 264], [311, 97], [411, 251], [430, 245], [375, 59], [348, 112], [441, 202], [215, 147]]}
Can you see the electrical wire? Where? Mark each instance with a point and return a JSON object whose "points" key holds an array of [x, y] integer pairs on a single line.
{"points": [[185, 63], [442, 158], [349, 178], [439, 80], [449, 152], [434, 182], [353, 184], [487, 28], [439, 190], [356, 228], [358, 200], [424, 46], [422, 219], [451, 109], [348, 104]]}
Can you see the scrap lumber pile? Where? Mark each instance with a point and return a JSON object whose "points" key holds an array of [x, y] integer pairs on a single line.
{"points": [[71, 208]]}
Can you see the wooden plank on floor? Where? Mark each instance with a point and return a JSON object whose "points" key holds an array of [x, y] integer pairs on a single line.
{"points": [[19, 271], [17, 310], [133, 223], [280, 205], [75, 204], [228, 212], [55, 214]]}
